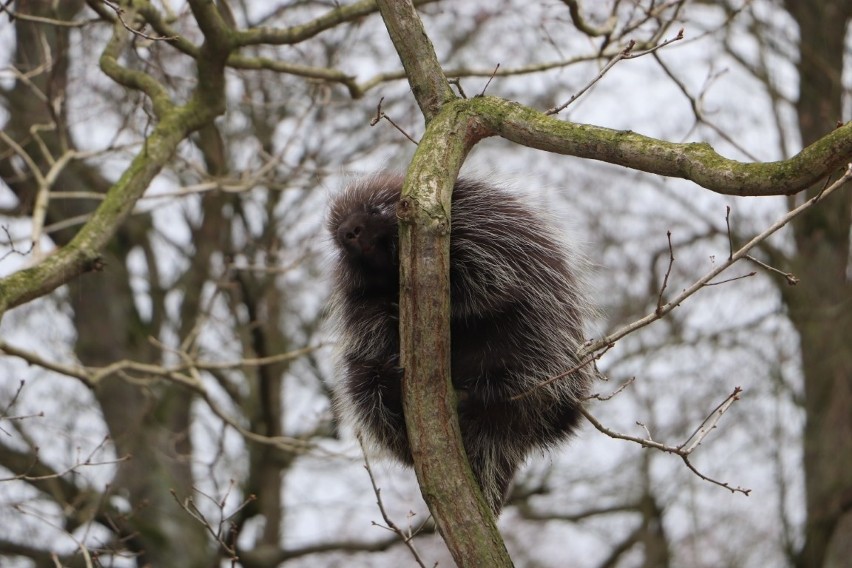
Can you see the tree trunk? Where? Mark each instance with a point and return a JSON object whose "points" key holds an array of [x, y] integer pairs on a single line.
{"points": [[821, 306]]}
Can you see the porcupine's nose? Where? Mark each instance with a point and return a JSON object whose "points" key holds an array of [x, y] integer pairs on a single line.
{"points": [[353, 236]]}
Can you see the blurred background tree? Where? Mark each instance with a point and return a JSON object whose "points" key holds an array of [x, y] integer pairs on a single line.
{"points": [[170, 406]]}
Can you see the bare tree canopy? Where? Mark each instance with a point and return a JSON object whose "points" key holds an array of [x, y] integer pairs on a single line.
{"points": [[165, 373]]}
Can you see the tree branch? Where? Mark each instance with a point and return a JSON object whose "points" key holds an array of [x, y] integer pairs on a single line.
{"points": [[581, 24], [296, 34], [130, 78], [440, 463], [697, 162], [742, 252], [82, 254], [427, 80]]}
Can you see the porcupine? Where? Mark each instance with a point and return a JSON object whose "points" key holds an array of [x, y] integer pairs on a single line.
{"points": [[516, 321]]}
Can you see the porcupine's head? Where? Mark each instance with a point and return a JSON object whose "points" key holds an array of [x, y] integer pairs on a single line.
{"points": [[363, 224]]}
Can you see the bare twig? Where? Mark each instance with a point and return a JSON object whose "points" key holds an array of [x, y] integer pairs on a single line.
{"points": [[624, 385], [380, 114], [119, 12], [457, 82], [733, 278], [723, 484], [658, 313], [87, 559], [14, 400], [587, 361], [687, 447], [491, 78], [695, 102], [13, 15], [668, 273], [218, 533], [4, 414], [406, 537], [635, 54], [621, 55], [186, 374], [710, 422], [792, 279], [78, 464], [730, 237], [11, 243], [626, 53]]}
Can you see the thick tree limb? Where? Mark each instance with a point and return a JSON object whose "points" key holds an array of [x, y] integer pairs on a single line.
{"points": [[418, 57], [83, 253], [440, 462], [696, 162]]}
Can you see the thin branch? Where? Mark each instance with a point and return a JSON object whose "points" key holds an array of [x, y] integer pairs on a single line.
{"points": [[732, 279], [792, 279], [119, 12], [459, 72], [730, 236], [13, 15], [405, 537], [287, 36], [87, 559], [532, 514], [590, 359], [695, 105], [581, 24], [668, 273], [4, 414], [186, 374], [11, 243], [621, 55], [658, 313], [624, 385], [457, 82], [218, 533], [25, 156], [710, 422], [380, 114], [635, 54], [626, 53], [687, 447], [491, 78], [53, 474]]}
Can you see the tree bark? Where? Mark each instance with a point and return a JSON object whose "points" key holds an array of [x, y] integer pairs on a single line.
{"points": [[821, 306]]}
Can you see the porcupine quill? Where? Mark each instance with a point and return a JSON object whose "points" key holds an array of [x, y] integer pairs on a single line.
{"points": [[516, 320]]}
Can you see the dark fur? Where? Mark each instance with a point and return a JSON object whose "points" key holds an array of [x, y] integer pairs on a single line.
{"points": [[516, 321]]}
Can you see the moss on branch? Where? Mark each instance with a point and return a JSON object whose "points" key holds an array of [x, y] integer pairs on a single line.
{"points": [[176, 123], [418, 56], [131, 78], [446, 481], [83, 253], [697, 162]]}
